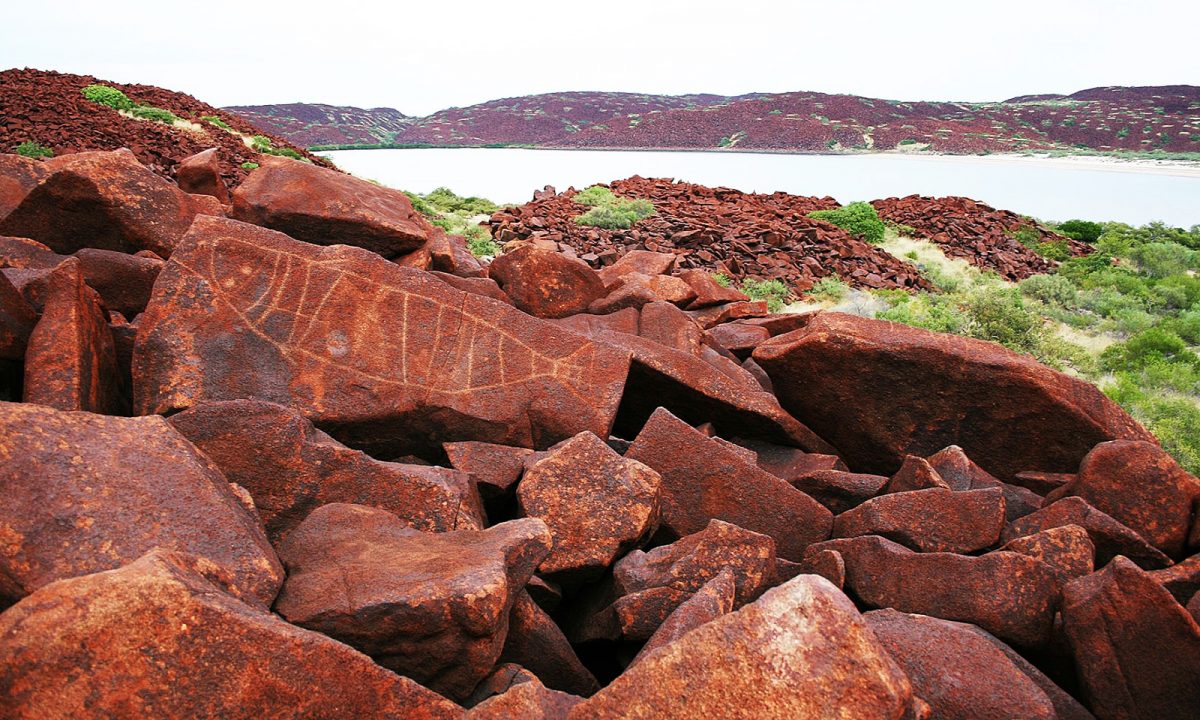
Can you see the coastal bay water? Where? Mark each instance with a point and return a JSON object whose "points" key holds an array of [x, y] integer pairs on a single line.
{"points": [[1048, 189]]}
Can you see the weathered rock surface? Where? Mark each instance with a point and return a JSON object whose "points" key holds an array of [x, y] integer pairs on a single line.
{"points": [[105, 200], [546, 283], [839, 491], [124, 282], [934, 520], [714, 599], [963, 674], [70, 359], [597, 504], [1110, 537], [17, 320], [529, 700], [18, 175], [85, 493], [784, 656], [1137, 651], [1012, 596], [495, 468], [161, 637], [200, 174], [701, 481], [326, 207], [290, 468], [431, 606], [536, 643], [386, 359], [887, 390], [1143, 488], [1068, 549]]}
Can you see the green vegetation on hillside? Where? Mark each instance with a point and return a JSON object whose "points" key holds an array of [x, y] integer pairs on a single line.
{"points": [[609, 211], [119, 101], [30, 149], [773, 292], [858, 218], [263, 144], [459, 215], [1126, 317]]}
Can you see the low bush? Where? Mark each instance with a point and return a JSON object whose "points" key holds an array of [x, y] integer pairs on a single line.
{"points": [[218, 122], [774, 292], [722, 279], [109, 96], [263, 144], [1051, 289], [1152, 345], [1174, 420], [615, 213], [249, 166], [595, 195], [480, 242], [1160, 259], [1082, 230], [858, 218], [421, 205], [829, 288], [147, 112], [445, 200], [30, 149]]}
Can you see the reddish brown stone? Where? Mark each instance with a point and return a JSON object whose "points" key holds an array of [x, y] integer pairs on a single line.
{"points": [[1143, 488], [85, 493], [25, 253], [419, 259], [703, 481], [496, 468], [1068, 549], [527, 700], [667, 325], [963, 674], [200, 174], [70, 360], [802, 650], [621, 321], [708, 292], [738, 339], [1137, 651], [1042, 483], [431, 606], [123, 281], [450, 255], [545, 283], [163, 638], [887, 390], [934, 520], [635, 290], [498, 682], [386, 359], [958, 471], [827, 563], [692, 561], [290, 468], [597, 504], [326, 207], [1110, 537], [789, 463], [915, 474], [710, 602], [759, 374], [18, 176], [644, 262], [1010, 595], [105, 200], [839, 491], [476, 285], [1193, 607], [713, 316], [17, 320], [1182, 579], [535, 643]]}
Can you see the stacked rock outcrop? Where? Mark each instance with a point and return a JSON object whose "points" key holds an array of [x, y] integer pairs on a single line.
{"points": [[324, 466]]}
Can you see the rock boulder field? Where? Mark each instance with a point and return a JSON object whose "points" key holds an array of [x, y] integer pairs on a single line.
{"points": [[301, 456]]}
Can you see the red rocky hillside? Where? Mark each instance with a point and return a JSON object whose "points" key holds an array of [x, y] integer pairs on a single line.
{"points": [[294, 452], [49, 109]]}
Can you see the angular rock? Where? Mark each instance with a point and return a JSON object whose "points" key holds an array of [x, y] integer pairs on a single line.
{"points": [[789, 463], [449, 254], [915, 474], [597, 504], [505, 677], [887, 390], [739, 339], [386, 359], [712, 316], [200, 174], [17, 320], [636, 289], [290, 468], [431, 606], [105, 200], [958, 471], [1012, 596], [1137, 650], [839, 491], [70, 360], [1143, 488], [527, 700], [124, 282], [163, 638], [802, 650], [85, 493], [638, 261], [535, 643], [934, 520], [25, 253], [963, 674], [18, 176], [708, 291], [486, 287], [710, 602], [1182, 579], [701, 481], [1042, 483], [1110, 537], [545, 283], [326, 207], [1067, 549], [667, 325], [495, 468]]}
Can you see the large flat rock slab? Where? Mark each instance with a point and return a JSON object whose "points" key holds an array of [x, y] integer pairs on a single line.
{"points": [[387, 359]]}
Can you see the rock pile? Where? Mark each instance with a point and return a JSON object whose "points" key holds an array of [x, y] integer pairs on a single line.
{"points": [[253, 471], [713, 229], [978, 233], [48, 108]]}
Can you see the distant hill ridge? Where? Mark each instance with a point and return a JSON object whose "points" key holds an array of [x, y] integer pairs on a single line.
{"points": [[1165, 118]]}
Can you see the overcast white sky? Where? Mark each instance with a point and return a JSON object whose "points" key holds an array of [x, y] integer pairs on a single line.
{"points": [[422, 57]]}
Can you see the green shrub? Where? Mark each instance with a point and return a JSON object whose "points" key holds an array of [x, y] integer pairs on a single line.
{"points": [[214, 120], [1155, 344], [30, 149], [774, 292], [1027, 236], [263, 144], [1160, 259], [109, 96], [858, 218], [480, 243], [595, 195], [1052, 290], [249, 166], [831, 288], [1175, 421], [999, 314], [1053, 250], [722, 279], [939, 313], [152, 113], [445, 200], [619, 214], [421, 205], [1082, 230]]}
